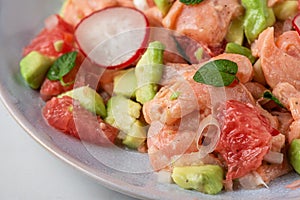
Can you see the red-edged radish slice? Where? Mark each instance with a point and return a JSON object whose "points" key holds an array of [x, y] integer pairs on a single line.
{"points": [[114, 37], [296, 23]]}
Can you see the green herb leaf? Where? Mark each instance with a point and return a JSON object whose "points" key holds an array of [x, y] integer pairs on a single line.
{"points": [[190, 2], [268, 95], [217, 73], [232, 47], [174, 96], [62, 66]]}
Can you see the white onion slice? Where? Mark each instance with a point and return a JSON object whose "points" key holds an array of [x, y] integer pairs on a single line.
{"points": [[141, 4], [211, 136], [187, 160], [194, 159], [51, 22], [274, 157], [164, 176], [252, 180]]}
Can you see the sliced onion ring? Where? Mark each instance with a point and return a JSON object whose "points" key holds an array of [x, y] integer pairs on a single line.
{"points": [[252, 180], [274, 157], [193, 158], [212, 134], [141, 4], [164, 176]]}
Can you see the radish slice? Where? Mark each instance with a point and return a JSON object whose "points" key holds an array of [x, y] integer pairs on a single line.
{"points": [[296, 23], [114, 37]]}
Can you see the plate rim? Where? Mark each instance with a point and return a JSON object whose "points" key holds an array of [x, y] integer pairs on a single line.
{"points": [[19, 118]]}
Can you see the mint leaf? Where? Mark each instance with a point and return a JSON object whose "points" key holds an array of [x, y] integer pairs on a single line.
{"points": [[217, 73], [53, 73], [62, 66], [190, 2], [268, 95]]}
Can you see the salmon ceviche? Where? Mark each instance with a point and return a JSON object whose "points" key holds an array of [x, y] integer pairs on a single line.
{"points": [[209, 90]]}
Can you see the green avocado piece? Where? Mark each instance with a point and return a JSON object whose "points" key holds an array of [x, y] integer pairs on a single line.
{"points": [[285, 10], [164, 5], [123, 113], [236, 31], [239, 49], [205, 178], [294, 155], [136, 136], [34, 67], [258, 17], [146, 93], [58, 45], [125, 84], [149, 71], [89, 99]]}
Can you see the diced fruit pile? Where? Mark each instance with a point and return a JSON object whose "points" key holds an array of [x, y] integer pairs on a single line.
{"points": [[53, 58], [103, 79]]}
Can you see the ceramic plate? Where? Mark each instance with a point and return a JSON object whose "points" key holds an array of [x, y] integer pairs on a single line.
{"points": [[129, 172]]}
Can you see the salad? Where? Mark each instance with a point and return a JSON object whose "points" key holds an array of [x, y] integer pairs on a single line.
{"points": [[208, 89]]}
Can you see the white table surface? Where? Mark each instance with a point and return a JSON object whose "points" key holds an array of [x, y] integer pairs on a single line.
{"points": [[29, 172]]}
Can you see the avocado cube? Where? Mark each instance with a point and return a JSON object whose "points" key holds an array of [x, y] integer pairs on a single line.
{"points": [[164, 5], [146, 93], [236, 31], [232, 47], [136, 136], [286, 9], [89, 99], [205, 178], [124, 113], [294, 155], [34, 67], [125, 84], [148, 72]]}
